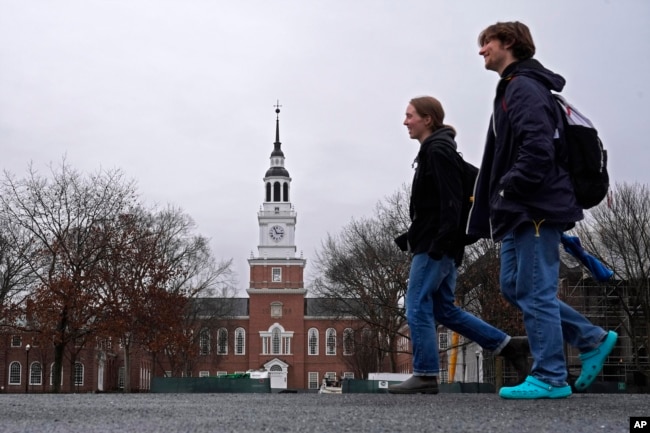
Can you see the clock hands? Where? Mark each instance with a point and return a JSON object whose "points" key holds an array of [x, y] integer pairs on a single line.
{"points": [[276, 232]]}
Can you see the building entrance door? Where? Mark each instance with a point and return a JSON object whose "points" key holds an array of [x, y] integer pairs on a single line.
{"points": [[278, 377], [277, 373]]}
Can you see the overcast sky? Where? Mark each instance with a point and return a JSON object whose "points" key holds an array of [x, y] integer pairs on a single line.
{"points": [[180, 95]]}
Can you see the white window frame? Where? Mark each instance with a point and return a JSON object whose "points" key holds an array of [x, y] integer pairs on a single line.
{"points": [[286, 341], [222, 373], [312, 380], [36, 379], [276, 275], [276, 341], [312, 342], [240, 341], [443, 341], [204, 342], [120, 377], [16, 341], [79, 373], [348, 341], [15, 373], [204, 373], [403, 344], [330, 342], [145, 378], [222, 341], [52, 375]]}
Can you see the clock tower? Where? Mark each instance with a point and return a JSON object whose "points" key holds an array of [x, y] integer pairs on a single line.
{"points": [[276, 266]]}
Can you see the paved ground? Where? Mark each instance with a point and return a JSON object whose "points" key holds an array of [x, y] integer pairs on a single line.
{"points": [[316, 413]]}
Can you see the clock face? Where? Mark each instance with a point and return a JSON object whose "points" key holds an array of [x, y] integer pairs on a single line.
{"points": [[276, 233]]}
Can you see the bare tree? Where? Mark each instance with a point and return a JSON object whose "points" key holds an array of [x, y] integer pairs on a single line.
{"points": [[618, 233], [196, 272], [155, 266], [65, 217], [365, 275], [16, 276], [196, 275]]}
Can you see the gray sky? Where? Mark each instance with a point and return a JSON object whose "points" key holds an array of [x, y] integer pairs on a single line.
{"points": [[179, 94]]}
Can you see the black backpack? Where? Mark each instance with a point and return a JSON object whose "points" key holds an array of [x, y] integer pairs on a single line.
{"points": [[469, 174], [587, 156]]}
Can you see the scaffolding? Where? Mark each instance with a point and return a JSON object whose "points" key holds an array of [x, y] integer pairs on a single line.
{"points": [[604, 304]]}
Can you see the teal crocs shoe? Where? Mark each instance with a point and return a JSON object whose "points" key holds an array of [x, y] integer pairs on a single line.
{"points": [[534, 388], [592, 361]]}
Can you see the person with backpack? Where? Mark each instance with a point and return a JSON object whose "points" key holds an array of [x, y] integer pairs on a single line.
{"points": [[524, 198], [436, 238]]}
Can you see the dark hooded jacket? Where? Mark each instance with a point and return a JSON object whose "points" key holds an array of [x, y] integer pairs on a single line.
{"points": [[522, 175], [435, 205]]}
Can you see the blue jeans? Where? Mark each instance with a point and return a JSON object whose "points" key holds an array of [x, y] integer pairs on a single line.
{"points": [[430, 298], [530, 271]]}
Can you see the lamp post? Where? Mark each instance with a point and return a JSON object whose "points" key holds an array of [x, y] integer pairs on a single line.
{"points": [[27, 347], [478, 353]]}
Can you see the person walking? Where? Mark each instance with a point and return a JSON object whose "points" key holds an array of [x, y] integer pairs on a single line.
{"points": [[436, 240], [524, 198]]}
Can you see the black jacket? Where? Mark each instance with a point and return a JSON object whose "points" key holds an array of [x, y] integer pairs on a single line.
{"points": [[522, 175], [435, 205]]}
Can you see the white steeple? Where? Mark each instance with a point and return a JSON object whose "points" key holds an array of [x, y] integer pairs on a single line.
{"points": [[277, 218]]}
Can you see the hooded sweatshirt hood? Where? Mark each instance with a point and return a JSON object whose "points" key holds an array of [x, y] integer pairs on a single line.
{"points": [[533, 69]]}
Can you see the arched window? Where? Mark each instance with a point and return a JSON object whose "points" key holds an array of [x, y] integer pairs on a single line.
{"points": [[222, 341], [240, 341], [330, 337], [78, 374], [312, 343], [276, 192], [348, 341], [36, 374], [285, 191], [268, 191], [204, 342], [52, 374], [275, 341], [15, 373]]}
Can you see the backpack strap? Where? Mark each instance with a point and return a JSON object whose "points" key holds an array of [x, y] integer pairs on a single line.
{"points": [[572, 115]]}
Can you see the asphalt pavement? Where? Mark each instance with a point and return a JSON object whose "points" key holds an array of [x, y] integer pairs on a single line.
{"points": [[316, 413]]}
